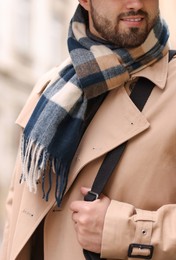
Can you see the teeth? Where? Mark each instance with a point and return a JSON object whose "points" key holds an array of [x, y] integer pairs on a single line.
{"points": [[133, 19]]}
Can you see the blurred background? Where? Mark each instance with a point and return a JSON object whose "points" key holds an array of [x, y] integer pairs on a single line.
{"points": [[33, 37]]}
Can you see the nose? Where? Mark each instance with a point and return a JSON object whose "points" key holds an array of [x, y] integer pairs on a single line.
{"points": [[134, 4]]}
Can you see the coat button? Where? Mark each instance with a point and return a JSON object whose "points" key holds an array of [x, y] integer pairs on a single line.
{"points": [[144, 232]]}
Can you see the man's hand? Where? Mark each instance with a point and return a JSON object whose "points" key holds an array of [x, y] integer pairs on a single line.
{"points": [[88, 218]]}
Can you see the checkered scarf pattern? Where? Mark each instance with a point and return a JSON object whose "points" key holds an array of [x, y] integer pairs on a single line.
{"points": [[53, 132]]}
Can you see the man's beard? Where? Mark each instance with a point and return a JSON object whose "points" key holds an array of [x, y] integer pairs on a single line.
{"points": [[129, 38]]}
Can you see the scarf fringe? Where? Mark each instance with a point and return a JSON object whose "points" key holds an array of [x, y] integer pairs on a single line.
{"points": [[39, 167]]}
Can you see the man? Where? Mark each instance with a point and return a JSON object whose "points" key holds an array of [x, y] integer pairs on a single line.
{"points": [[74, 116]]}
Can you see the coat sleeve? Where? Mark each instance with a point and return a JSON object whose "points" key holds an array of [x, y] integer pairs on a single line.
{"points": [[139, 233]]}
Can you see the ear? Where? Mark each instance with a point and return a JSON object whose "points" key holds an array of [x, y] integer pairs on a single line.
{"points": [[85, 4]]}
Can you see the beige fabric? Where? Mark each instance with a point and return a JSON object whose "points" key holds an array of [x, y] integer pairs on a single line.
{"points": [[144, 181]]}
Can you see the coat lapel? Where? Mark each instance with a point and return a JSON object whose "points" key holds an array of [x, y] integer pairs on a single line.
{"points": [[116, 121]]}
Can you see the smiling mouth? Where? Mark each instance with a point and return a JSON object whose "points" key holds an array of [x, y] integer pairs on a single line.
{"points": [[132, 19]]}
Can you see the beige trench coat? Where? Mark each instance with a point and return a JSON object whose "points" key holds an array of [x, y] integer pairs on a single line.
{"points": [[142, 188]]}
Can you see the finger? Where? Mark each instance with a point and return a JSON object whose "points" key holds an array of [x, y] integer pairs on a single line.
{"points": [[74, 217], [76, 206]]}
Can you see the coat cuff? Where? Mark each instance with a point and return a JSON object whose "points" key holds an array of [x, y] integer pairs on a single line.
{"points": [[127, 232], [118, 231]]}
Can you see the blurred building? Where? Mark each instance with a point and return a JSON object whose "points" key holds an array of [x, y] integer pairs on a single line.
{"points": [[33, 39]]}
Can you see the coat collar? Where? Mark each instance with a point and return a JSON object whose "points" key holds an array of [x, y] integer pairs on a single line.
{"points": [[157, 73]]}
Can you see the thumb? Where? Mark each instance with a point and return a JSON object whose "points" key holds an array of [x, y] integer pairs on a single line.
{"points": [[84, 190]]}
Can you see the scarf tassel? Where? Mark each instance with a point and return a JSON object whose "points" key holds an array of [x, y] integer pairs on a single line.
{"points": [[38, 165]]}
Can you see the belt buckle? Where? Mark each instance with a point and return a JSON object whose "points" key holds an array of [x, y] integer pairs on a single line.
{"points": [[140, 246]]}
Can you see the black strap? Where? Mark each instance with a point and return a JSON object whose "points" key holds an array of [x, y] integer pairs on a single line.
{"points": [[139, 96]]}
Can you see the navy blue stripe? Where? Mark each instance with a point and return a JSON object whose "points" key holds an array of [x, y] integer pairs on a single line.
{"points": [[101, 76], [92, 79], [67, 135], [74, 44], [163, 39], [68, 73], [43, 101]]}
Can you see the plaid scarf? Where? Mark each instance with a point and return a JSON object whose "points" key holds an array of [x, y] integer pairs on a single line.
{"points": [[53, 132]]}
